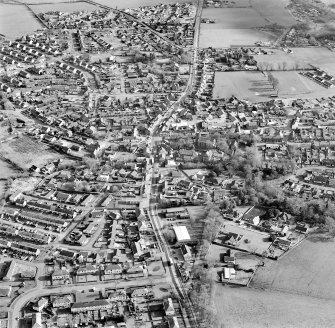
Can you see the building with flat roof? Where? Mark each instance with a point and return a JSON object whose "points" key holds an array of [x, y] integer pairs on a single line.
{"points": [[182, 234]]}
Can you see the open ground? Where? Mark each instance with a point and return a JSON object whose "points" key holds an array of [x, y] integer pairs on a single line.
{"points": [[254, 86], [25, 152], [300, 58], [229, 29], [308, 270], [238, 26], [64, 7], [251, 308], [245, 85]]}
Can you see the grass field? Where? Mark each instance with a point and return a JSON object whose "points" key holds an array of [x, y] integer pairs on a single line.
{"points": [[245, 85], [26, 152], [16, 21], [254, 86], [229, 29], [293, 84], [237, 26], [252, 308], [308, 270], [64, 7], [274, 11], [303, 57]]}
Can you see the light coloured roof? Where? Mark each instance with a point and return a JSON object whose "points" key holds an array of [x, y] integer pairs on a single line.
{"points": [[181, 233]]}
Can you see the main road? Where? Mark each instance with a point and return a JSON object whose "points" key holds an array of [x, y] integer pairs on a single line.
{"points": [[39, 290], [154, 134]]}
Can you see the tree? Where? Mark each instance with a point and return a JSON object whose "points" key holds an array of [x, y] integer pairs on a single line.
{"points": [[212, 223], [170, 236]]}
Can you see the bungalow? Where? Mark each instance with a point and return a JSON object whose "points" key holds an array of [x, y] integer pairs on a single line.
{"points": [[173, 322], [168, 307], [62, 301], [113, 269], [60, 274], [92, 306], [41, 304], [63, 197], [140, 292], [88, 269], [36, 320]]}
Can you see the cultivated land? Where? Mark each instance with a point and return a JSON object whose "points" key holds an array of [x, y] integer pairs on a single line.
{"points": [[306, 270], [252, 308]]}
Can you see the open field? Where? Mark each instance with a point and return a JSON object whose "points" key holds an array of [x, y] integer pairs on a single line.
{"points": [[5, 172], [308, 269], [25, 152], [229, 29], [237, 26], [16, 20], [252, 308], [245, 85], [293, 84], [64, 7], [254, 86], [300, 58], [274, 11]]}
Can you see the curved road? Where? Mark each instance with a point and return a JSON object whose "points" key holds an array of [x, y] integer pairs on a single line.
{"points": [[39, 291]]}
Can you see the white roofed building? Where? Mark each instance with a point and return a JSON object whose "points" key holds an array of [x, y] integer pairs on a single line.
{"points": [[182, 234]]}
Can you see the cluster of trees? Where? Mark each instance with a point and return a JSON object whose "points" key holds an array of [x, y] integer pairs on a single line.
{"points": [[274, 81], [169, 235], [284, 166], [200, 296], [212, 224]]}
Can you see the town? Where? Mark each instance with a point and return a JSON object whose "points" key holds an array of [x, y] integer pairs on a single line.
{"points": [[148, 174]]}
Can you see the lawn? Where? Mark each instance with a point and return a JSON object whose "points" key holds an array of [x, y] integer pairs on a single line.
{"points": [[307, 269], [252, 241], [252, 308]]}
